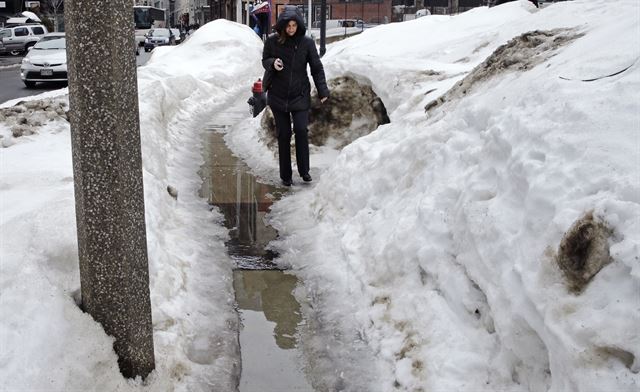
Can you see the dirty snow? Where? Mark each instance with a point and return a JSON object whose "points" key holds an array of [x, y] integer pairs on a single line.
{"points": [[428, 244], [47, 342]]}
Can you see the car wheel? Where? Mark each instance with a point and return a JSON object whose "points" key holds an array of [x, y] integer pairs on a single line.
{"points": [[29, 83], [15, 52]]}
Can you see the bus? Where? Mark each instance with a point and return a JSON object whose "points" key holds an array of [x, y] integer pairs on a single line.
{"points": [[146, 18]]}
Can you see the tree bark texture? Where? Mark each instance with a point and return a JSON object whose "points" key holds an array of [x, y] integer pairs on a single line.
{"points": [[107, 169]]}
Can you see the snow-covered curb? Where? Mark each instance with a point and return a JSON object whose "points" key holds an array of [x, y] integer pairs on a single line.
{"points": [[195, 323]]}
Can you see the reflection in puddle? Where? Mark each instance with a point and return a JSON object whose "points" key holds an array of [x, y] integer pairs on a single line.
{"points": [[270, 313], [270, 291], [271, 316], [243, 201]]}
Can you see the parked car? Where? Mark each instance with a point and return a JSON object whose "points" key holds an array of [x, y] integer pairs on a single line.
{"points": [[335, 23], [422, 12], [50, 36], [18, 39], [46, 61], [158, 37], [351, 23]]}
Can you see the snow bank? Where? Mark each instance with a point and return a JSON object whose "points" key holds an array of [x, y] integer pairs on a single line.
{"points": [[442, 227], [428, 248], [47, 342]]}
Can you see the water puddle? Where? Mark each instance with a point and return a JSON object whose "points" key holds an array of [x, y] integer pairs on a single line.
{"points": [[243, 201], [270, 313], [270, 318]]}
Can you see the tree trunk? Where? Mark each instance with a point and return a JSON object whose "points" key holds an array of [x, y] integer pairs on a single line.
{"points": [[107, 170]]}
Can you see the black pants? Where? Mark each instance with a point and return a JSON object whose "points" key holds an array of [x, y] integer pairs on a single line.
{"points": [[283, 127]]}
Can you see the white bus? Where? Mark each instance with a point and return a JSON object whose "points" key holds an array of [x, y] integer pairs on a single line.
{"points": [[146, 18]]}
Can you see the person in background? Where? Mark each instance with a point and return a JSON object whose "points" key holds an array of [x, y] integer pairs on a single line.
{"points": [[285, 57]]}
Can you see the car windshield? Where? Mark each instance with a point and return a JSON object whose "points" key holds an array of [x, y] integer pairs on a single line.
{"points": [[160, 33], [51, 43]]}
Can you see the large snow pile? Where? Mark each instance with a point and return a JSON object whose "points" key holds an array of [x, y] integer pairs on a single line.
{"points": [[429, 248], [443, 228], [47, 342]]}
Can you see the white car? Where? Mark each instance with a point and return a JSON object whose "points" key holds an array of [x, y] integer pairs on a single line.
{"points": [[46, 61]]}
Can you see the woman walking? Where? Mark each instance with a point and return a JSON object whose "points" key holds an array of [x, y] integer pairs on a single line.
{"points": [[285, 57]]}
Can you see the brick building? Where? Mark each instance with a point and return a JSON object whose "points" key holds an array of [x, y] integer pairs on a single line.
{"points": [[371, 11]]}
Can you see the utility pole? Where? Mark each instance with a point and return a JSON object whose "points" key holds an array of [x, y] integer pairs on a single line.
{"points": [[323, 27], [309, 26], [362, 13], [453, 7], [107, 172], [344, 22]]}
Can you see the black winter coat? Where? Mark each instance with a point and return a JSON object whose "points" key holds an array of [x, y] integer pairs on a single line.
{"points": [[289, 90]]}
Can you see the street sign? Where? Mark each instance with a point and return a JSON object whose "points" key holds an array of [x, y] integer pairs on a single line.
{"points": [[3, 4]]}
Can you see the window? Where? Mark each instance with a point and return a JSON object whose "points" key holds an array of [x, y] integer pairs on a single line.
{"points": [[406, 3], [53, 43], [5, 33], [436, 3], [160, 33], [38, 30], [20, 31], [470, 3]]}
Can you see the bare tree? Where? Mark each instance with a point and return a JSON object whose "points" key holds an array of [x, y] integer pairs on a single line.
{"points": [[55, 5]]}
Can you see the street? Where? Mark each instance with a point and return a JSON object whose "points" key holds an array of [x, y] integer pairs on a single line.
{"points": [[11, 86]]}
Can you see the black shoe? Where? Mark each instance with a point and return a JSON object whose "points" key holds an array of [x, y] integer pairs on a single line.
{"points": [[286, 182], [306, 178]]}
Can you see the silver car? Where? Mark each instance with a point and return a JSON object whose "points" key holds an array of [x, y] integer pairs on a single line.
{"points": [[158, 37], [46, 61], [19, 39]]}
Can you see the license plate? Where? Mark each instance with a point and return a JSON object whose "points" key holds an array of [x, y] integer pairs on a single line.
{"points": [[46, 72]]}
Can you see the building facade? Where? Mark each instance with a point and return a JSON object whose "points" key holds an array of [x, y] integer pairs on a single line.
{"points": [[192, 12], [370, 11], [199, 12]]}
